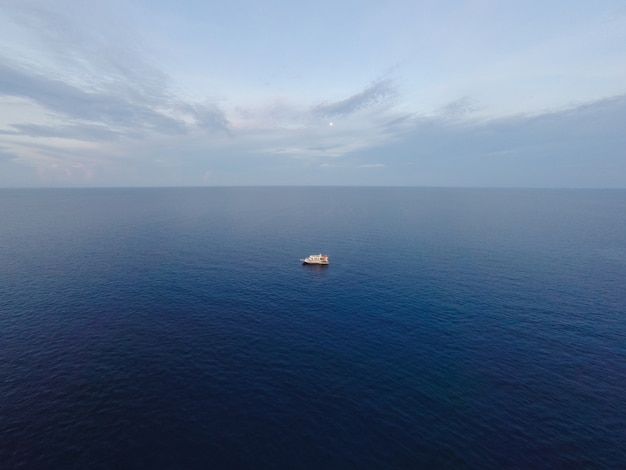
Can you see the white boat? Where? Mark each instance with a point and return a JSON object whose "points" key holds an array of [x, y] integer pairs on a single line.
{"points": [[315, 259]]}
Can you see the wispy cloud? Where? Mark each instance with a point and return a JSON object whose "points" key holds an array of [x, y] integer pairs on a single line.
{"points": [[87, 76], [86, 44], [379, 93], [114, 106], [458, 108], [84, 132]]}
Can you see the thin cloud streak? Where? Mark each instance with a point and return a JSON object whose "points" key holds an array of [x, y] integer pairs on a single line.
{"points": [[378, 94], [72, 132], [114, 107], [88, 77]]}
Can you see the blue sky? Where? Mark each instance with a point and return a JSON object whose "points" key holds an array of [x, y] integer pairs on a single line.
{"points": [[426, 93]]}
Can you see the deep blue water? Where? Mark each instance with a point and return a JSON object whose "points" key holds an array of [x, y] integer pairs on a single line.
{"points": [[176, 328]]}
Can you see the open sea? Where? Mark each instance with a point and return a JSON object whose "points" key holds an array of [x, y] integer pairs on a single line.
{"points": [[177, 328]]}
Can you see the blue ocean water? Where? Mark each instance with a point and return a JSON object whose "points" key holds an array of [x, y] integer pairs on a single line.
{"points": [[176, 328]]}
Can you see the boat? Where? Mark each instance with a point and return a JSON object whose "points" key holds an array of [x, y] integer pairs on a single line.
{"points": [[315, 259]]}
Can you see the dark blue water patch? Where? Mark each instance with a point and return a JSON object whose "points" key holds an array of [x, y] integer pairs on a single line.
{"points": [[176, 328]]}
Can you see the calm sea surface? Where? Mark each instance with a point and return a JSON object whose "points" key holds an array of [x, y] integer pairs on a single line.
{"points": [[176, 328]]}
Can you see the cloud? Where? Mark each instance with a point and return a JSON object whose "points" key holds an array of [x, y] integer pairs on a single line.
{"points": [[458, 108], [87, 40], [207, 116], [579, 146], [294, 130], [114, 106], [282, 113], [377, 94], [89, 69], [84, 132]]}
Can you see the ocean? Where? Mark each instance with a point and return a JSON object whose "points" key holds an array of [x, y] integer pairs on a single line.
{"points": [[177, 328]]}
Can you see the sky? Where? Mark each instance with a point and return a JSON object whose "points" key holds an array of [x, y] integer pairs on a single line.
{"points": [[477, 93]]}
